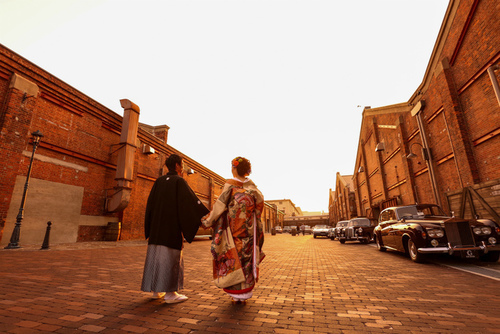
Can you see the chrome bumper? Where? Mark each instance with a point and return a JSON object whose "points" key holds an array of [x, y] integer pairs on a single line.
{"points": [[451, 249]]}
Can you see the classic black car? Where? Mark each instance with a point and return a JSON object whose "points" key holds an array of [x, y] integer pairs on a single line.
{"points": [[360, 229], [335, 231], [423, 229]]}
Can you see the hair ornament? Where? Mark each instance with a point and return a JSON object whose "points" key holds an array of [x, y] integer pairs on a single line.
{"points": [[236, 162]]}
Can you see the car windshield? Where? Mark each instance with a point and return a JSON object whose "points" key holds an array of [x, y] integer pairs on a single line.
{"points": [[419, 211], [362, 222], [320, 226], [430, 210]]}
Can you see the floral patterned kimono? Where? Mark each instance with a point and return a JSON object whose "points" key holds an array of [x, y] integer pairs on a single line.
{"points": [[238, 237]]}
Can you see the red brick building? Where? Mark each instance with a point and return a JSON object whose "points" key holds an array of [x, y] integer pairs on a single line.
{"points": [[342, 202], [451, 126], [271, 217], [92, 167]]}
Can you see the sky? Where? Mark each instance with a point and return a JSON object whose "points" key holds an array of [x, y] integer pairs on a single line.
{"points": [[280, 82]]}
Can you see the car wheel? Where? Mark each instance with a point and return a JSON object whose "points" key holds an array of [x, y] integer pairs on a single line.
{"points": [[413, 252], [342, 241], [490, 257], [379, 246]]}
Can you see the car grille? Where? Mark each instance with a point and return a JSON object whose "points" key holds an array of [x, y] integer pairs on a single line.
{"points": [[459, 233]]}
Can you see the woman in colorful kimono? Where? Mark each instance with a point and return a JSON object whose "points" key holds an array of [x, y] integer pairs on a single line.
{"points": [[238, 237]]}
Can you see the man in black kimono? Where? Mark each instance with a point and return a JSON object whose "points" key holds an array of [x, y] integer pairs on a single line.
{"points": [[173, 213]]}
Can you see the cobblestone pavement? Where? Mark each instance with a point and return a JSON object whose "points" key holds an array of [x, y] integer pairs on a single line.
{"points": [[307, 286]]}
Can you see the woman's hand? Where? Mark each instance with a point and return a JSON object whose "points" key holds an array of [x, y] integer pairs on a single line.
{"points": [[204, 222]]}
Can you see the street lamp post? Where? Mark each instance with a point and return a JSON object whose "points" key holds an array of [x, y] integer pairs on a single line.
{"points": [[14, 239]]}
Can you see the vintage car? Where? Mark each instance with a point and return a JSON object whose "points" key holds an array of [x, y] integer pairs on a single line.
{"points": [[335, 231], [422, 229], [360, 229], [278, 229], [287, 229], [320, 231]]}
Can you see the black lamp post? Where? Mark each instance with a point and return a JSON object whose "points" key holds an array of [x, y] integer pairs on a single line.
{"points": [[14, 239]]}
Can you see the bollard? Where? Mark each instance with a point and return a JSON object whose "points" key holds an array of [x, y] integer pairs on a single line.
{"points": [[45, 244]]}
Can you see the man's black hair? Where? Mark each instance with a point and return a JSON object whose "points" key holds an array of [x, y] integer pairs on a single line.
{"points": [[172, 161]]}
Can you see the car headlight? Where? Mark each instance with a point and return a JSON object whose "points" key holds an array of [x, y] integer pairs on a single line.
{"points": [[482, 230], [360, 230], [435, 233], [486, 230]]}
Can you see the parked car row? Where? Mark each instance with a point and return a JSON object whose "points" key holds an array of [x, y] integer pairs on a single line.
{"points": [[304, 229], [420, 230]]}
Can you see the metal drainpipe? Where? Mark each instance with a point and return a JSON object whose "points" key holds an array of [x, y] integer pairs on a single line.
{"points": [[494, 82], [125, 164], [453, 150], [428, 159]]}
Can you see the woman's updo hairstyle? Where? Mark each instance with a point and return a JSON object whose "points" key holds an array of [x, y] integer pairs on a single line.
{"points": [[242, 165]]}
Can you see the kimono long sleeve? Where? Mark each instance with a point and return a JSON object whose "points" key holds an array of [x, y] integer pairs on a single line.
{"points": [[219, 206], [190, 210], [148, 217]]}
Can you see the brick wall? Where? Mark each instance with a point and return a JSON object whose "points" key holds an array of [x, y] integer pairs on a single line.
{"points": [[460, 117], [79, 148]]}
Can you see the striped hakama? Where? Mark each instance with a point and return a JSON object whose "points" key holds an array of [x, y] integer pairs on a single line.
{"points": [[163, 270]]}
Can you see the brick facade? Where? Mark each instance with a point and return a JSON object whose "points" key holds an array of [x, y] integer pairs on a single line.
{"points": [[342, 203], [271, 217], [286, 206], [454, 114], [76, 162]]}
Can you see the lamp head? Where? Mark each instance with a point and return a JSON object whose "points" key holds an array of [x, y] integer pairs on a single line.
{"points": [[37, 135], [411, 156]]}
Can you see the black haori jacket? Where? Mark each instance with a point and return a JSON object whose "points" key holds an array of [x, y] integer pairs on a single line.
{"points": [[173, 211]]}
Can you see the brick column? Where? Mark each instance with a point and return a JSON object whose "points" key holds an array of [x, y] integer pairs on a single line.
{"points": [[15, 121], [457, 125]]}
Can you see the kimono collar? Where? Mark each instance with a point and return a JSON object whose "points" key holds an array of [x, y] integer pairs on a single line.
{"points": [[236, 182]]}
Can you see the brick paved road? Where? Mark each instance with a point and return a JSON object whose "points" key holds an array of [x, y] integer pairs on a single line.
{"points": [[307, 286]]}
